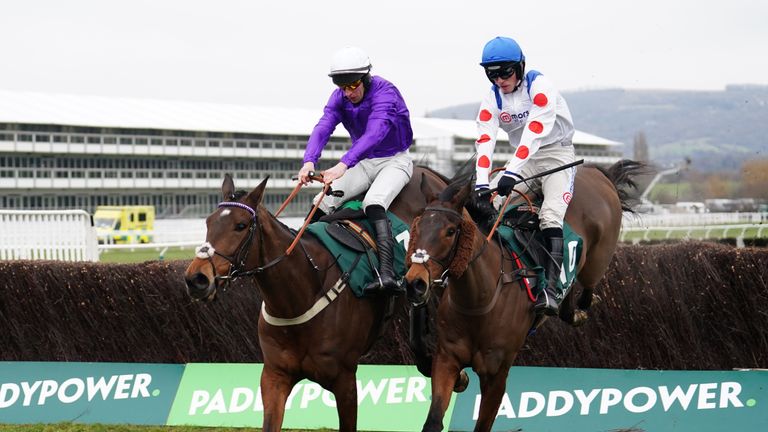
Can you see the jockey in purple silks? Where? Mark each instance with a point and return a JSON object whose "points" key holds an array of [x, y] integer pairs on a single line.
{"points": [[374, 113]]}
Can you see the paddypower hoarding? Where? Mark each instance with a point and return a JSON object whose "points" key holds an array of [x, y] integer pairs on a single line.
{"points": [[52, 392], [390, 398], [562, 400]]}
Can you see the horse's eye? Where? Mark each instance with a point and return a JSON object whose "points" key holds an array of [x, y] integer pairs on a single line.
{"points": [[450, 231], [240, 227]]}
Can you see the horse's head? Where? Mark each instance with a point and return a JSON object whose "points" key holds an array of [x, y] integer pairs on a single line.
{"points": [[230, 237], [441, 243]]}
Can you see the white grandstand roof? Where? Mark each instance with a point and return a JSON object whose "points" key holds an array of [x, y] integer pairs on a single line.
{"points": [[115, 112]]}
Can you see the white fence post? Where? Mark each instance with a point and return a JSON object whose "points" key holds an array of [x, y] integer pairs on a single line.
{"points": [[64, 235]]}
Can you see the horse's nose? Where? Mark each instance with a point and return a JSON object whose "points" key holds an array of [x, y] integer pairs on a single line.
{"points": [[416, 289], [198, 286]]}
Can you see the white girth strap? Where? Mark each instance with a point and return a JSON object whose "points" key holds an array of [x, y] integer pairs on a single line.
{"points": [[319, 305]]}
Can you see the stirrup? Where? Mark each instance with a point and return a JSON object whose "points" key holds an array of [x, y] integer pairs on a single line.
{"points": [[547, 307]]}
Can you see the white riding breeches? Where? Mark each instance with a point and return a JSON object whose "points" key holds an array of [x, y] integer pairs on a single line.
{"points": [[556, 187], [383, 178]]}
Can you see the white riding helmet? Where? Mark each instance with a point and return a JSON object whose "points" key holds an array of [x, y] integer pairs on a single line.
{"points": [[350, 60]]}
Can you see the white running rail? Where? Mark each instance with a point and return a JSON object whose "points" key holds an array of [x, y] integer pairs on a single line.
{"points": [[697, 232], [690, 219], [64, 235]]}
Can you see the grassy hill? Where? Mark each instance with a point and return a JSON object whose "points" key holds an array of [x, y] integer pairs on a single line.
{"points": [[718, 130]]}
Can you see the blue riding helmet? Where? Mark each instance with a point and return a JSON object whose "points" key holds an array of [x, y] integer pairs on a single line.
{"points": [[501, 57], [502, 50]]}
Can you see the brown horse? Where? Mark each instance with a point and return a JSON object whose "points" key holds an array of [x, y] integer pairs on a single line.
{"points": [[484, 313], [309, 311]]}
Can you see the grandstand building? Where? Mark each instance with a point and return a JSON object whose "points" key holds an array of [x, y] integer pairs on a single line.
{"points": [[78, 152]]}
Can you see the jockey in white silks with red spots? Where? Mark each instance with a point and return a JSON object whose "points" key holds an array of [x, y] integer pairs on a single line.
{"points": [[535, 116]]}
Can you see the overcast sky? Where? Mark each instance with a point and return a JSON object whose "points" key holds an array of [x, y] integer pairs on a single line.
{"points": [[277, 52]]}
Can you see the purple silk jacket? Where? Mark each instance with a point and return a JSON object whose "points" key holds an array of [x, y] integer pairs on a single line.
{"points": [[379, 125]]}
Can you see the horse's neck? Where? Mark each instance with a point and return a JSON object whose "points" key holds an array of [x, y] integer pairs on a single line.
{"points": [[292, 283], [477, 286]]}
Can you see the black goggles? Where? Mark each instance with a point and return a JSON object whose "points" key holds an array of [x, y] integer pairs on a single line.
{"points": [[500, 71]]}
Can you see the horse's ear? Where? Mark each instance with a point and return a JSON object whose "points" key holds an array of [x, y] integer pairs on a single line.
{"points": [[460, 197], [429, 195], [227, 188], [257, 193]]}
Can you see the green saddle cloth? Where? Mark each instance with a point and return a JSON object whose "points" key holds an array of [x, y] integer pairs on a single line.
{"points": [[356, 264], [572, 248]]}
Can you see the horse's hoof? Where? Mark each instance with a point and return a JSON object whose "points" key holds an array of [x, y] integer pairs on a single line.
{"points": [[580, 317], [462, 381]]}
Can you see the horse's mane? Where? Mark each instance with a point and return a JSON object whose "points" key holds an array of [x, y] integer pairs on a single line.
{"points": [[451, 190], [462, 174]]}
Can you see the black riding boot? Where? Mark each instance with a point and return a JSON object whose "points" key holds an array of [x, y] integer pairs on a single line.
{"points": [[548, 301], [385, 282]]}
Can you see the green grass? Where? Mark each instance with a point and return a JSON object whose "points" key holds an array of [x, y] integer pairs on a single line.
{"points": [[126, 256], [674, 191]]}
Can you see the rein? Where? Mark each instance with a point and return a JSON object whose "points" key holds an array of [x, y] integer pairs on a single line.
{"points": [[420, 256], [237, 261]]}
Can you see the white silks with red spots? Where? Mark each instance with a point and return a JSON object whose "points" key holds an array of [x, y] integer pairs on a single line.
{"points": [[533, 118]]}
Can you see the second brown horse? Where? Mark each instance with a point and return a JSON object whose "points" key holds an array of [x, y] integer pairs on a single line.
{"points": [[484, 314]]}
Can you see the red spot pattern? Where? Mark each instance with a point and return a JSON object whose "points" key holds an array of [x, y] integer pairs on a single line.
{"points": [[522, 152], [484, 162], [536, 127], [567, 197], [483, 139], [540, 100], [485, 115]]}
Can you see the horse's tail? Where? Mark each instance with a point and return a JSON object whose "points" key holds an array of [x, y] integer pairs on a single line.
{"points": [[622, 174]]}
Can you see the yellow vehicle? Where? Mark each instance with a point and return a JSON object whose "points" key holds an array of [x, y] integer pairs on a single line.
{"points": [[124, 224]]}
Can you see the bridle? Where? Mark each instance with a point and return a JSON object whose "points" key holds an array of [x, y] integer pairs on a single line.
{"points": [[420, 256], [238, 260]]}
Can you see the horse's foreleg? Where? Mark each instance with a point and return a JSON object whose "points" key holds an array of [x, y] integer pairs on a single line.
{"points": [[576, 312], [445, 371], [492, 388], [586, 300], [275, 388], [345, 391]]}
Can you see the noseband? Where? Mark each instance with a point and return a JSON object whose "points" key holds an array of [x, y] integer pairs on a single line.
{"points": [[420, 256]]}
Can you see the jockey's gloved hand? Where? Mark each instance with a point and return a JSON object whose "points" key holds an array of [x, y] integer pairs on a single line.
{"points": [[479, 192], [481, 201], [506, 183]]}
